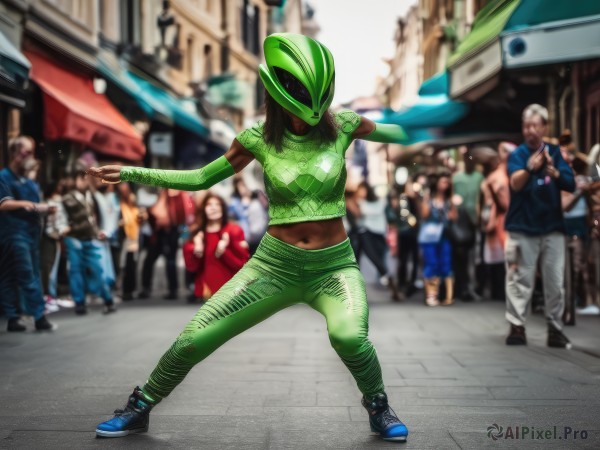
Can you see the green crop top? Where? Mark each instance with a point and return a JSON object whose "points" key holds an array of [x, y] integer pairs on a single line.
{"points": [[306, 180]]}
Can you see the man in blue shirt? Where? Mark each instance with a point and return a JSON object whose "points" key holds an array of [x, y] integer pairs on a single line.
{"points": [[538, 173], [20, 230]]}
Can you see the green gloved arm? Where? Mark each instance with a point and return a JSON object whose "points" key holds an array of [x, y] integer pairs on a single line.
{"points": [[183, 180], [387, 133]]}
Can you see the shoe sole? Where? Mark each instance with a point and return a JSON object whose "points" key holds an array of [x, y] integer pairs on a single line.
{"points": [[565, 346], [116, 434], [391, 439]]}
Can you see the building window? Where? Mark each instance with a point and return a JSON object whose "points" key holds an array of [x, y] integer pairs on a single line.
{"points": [[250, 21], [208, 65], [130, 22]]}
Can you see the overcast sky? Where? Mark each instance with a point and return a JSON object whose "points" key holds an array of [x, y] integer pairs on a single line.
{"points": [[359, 33]]}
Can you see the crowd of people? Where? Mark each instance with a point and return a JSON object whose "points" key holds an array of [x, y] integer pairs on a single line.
{"points": [[81, 237], [447, 228], [466, 233]]}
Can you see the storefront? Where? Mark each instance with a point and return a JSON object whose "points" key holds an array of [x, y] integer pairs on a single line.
{"points": [[436, 121], [74, 118], [525, 51], [176, 135], [14, 75]]}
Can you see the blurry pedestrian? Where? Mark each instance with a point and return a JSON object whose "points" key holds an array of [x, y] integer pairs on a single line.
{"points": [[131, 218], [372, 228], [467, 185], [437, 210], [167, 217], [109, 214], [56, 226], [84, 249], [495, 205], [403, 212], [216, 249], [258, 219], [239, 204], [575, 214], [592, 194], [538, 173], [20, 232]]}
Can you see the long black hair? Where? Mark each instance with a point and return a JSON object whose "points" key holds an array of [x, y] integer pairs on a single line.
{"points": [[434, 181], [277, 121], [202, 220]]}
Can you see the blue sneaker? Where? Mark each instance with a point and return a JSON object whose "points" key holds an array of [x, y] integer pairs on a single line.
{"points": [[383, 419], [134, 418]]}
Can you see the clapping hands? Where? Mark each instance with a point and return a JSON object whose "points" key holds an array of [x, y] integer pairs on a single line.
{"points": [[222, 245], [199, 244], [551, 171]]}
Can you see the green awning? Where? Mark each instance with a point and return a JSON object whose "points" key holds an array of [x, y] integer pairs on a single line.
{"points": [[510, 34], [488, 24]]}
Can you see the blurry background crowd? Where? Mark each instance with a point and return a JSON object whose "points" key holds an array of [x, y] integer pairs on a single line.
{"points": [[169, 84]]}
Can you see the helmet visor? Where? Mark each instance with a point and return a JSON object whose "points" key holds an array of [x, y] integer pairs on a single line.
{"points": [[293, 86]]}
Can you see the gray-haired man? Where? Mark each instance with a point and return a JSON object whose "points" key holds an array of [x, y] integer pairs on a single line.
{"points": [[534, 222]]}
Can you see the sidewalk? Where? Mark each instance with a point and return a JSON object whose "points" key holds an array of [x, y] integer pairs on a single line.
{"points": [[448, 374]]}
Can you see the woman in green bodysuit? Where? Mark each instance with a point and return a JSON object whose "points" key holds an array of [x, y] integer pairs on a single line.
{"points": [[305, 257]]}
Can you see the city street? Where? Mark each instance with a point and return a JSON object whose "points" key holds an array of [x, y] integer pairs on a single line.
{"points": [[449, 376]]}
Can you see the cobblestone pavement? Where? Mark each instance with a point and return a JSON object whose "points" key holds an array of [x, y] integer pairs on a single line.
{"points": [[448, 374]]}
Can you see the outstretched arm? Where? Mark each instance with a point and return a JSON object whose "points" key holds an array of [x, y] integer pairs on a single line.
{"points": [[236, 158], [379, 132]]}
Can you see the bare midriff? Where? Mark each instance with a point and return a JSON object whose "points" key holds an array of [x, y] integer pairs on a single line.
{"points": [[310, 235]]}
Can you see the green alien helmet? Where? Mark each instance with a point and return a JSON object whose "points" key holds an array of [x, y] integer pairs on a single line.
{"points": [[299, 75]]}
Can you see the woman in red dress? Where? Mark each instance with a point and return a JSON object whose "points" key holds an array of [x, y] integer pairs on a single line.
{"points": [[216, 249]]}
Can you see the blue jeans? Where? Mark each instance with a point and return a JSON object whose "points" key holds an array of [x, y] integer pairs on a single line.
{"points": [[20, 274], [85, 270], [437, 259]]}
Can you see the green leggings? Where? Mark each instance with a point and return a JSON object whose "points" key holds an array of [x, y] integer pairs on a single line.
{"points": [[280, 275]]}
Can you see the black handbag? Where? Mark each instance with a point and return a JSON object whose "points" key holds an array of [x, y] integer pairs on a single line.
{"points": [[462, 230]]}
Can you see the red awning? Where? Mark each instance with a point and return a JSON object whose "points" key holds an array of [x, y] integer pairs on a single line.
{"points": [[73, 111]]}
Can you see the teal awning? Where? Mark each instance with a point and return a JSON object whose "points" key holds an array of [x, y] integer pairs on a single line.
{"points": [[182, 112], [536, 12], [156, 102], [14, 68], [433, 110], [437, 84]]}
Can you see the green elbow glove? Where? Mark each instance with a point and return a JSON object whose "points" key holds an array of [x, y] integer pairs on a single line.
{"points": [[387, 133], [183, 180]]}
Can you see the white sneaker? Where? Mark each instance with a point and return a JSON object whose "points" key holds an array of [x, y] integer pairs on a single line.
{"points": [[384, 280], [50, 305], [589, 310], [65, 303]]}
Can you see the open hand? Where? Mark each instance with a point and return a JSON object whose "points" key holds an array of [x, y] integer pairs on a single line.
{"points": [[108, 174]]}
